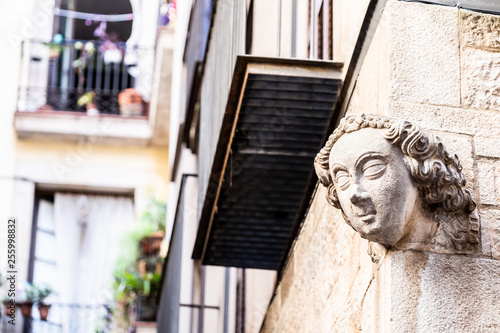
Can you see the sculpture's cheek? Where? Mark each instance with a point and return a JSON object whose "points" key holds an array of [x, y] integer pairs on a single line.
{"points": [[386, 206]]}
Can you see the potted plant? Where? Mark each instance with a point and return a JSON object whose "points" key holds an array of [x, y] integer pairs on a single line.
{"points": [[145, 304], [151, 245], [30, 294], [138, 270], [141, 290], [154, 221], [43, 308], [9, 306], [130, 102], [25, 307], [88, 100]]}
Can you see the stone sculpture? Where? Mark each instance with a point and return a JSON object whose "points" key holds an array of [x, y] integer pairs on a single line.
{"points": [[398, 186]]}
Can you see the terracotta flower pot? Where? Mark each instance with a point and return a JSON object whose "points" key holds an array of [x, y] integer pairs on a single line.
{"points": [[131, 103], [8, 309], [26, 308], [151, 245], [44, 311]]}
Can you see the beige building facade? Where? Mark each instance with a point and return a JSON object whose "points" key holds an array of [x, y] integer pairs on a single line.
{"points": [[434, 66]]}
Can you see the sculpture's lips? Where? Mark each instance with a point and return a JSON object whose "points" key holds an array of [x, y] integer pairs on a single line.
{"points": [[367, 218], [366, 215]]}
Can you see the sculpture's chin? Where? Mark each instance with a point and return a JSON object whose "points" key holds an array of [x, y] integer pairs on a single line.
{"points": [[376, 233], [373, 232]]}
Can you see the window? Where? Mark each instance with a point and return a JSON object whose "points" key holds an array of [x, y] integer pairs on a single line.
{"points": [[74, 248], [321, 27], [240, 300]]}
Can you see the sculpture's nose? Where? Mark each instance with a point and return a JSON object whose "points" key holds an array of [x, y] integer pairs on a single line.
{"points": [[357, 195]]}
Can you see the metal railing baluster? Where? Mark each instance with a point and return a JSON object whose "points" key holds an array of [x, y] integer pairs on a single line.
{"points": [[72, 71]]}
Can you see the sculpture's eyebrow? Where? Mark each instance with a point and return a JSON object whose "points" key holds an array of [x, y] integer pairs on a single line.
{"points": [[369, 155], [336, 167]]}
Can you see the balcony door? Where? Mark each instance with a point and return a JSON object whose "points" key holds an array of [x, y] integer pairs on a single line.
{"points": [[89, 58], [75, 246]]}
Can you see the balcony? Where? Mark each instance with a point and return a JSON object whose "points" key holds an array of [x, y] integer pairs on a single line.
{"points": [[81, 76], [71, 89], [63, 317], [278, 115]]}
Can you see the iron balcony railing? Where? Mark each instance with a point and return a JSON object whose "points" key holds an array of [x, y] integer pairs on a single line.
{"points": [[62, 318], [85, 76]]}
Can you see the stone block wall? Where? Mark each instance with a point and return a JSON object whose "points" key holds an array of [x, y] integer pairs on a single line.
{"points": [[329, 268], [446, 78], [440, 68]]}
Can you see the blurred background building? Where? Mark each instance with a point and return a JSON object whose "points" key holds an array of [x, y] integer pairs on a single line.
{"points": [[85, 129]]}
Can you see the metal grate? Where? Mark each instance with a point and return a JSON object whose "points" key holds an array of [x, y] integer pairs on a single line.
{"points": [[280, 126]]}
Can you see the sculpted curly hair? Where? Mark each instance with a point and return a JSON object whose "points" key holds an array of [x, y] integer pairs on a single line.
{"points": [[436, 171]]}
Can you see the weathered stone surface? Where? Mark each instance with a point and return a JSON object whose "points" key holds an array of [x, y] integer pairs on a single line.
{"points": [[481, 77], [486, 177], [315, 215], [288, 278], [405, 291], [454, 294], [349, 319], [315, 291], [371, 91], [487, 146], [455, 120], [490, 232], [497, 179], [480, 30], [424, 62]]}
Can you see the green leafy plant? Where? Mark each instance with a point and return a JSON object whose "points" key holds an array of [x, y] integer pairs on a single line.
{"points": [[55, 49], [152, 220], [137, 277], [37, 293], [30, 291], [86, 99], [132, 284], [43, 293], [155, 214]]}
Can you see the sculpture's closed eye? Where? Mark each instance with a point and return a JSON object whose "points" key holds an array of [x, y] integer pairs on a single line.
{"points": [[343, 179], [373, 169]]}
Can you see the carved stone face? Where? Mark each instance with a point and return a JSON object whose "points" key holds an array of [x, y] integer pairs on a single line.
{"points": [[373, 185]]}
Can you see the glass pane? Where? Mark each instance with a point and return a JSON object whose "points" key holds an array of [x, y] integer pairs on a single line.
{"points": [[45, 274], [46, 215], [45, 246]]}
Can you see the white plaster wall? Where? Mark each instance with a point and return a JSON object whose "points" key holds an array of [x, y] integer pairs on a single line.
{"points": [[266, 28], [259, 288], [178, 89], [348, 16], [187, 162], [15, 19], [187, 265]]}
